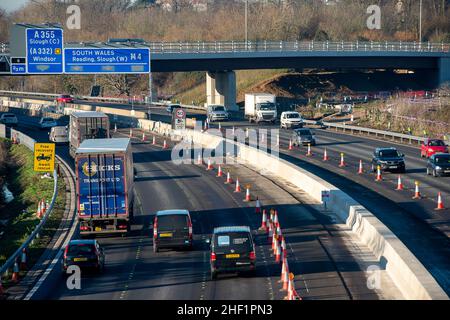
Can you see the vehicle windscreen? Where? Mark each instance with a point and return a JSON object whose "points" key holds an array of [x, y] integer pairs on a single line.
{"points": [[442, 159], [304, 132], [218, 109], [389, 154], [238, 241], [81, 249], [173, 222], [292, 116], [436, 143], [266, 106]]}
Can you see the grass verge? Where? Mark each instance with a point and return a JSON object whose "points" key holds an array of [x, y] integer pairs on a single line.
{"points": [[28, 187]]}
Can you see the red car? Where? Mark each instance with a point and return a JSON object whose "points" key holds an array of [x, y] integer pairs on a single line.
{"points": [[64, 98], [432, 146]]}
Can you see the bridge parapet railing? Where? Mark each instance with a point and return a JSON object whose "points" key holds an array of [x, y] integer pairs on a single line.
{"points": [[288, 46]]}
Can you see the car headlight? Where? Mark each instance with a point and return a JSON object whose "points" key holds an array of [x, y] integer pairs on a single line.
{"points": [[438, 168], [383, 162]]}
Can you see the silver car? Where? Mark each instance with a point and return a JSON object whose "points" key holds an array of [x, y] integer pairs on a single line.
{"points": [[217, 113]]}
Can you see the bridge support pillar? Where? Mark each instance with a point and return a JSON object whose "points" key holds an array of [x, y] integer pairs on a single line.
{"points": [[444, 71], [221, 89]]}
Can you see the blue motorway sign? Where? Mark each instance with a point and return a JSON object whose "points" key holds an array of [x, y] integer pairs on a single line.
{"points": [[44, 50], [106, 60]]}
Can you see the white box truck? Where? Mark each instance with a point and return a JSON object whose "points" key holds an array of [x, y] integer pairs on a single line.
{"points": [[260, 107]]}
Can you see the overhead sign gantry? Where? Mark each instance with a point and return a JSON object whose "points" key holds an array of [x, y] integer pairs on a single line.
{"points": [[39, 49]]}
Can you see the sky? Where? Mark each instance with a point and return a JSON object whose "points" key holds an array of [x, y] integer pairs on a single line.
{"points": [[11, 5]]}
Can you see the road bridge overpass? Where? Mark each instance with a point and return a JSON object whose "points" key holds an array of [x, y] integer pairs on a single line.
{"points": [[221, 59]]}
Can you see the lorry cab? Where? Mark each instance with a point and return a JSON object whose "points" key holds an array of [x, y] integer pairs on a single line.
{"points": [[172, 229], [59, 134]]}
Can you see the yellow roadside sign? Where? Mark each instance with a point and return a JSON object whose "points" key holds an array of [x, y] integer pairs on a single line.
{"points": [[44, 157]]}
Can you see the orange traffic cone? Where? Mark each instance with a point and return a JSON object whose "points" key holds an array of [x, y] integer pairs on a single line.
{"points": [[131, 133], [416, 191], [275, 218], [15, 275], [290, 287], [199, 159], [399, 183], [247, 195], [440, 205], [309, 153], [285, 275], [264, 221], [325, 155], [379, 177], [258, 206], [23, 260], [209, 167], [283, 247], [342, 162], [270, 233], [238, 187], [165, 144], [220, 173], [38, 212], [143, 136], [154, 140], [228, 181], [278, 252], [274, 239], [360, 170], [290, 144]]}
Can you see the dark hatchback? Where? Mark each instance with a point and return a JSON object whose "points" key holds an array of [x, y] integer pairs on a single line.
{"points": [[172, 229], [389, 159], [439, 164], [86, 254], [303, 136], [232, 250]]}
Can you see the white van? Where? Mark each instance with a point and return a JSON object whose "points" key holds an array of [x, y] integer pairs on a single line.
{"points": [[59, 134]]}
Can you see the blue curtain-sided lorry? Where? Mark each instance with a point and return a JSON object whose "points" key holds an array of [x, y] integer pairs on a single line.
{"points": [[105, 186]]}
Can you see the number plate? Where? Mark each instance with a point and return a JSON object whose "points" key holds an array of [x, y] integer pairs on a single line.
{"points": [[393, 167], [232, 256], [79, 259], [165, 235]]}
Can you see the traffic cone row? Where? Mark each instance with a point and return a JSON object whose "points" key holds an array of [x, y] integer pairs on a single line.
{"points": [[42, 208]]}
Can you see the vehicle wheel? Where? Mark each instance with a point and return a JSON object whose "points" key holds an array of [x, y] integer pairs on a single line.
{"points": [[213, 275], [434, 173]]}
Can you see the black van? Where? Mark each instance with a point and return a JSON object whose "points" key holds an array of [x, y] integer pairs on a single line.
{"points": [[172, 229], [232, 250]]}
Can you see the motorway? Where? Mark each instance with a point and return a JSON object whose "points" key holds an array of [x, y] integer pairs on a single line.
{"points": [[328, 261]]}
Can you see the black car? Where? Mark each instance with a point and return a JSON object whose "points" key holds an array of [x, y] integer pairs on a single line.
{"points": [[172, 229], [303, 136], [389, 159], [232, 250], [86, 254], [439, 164]]}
